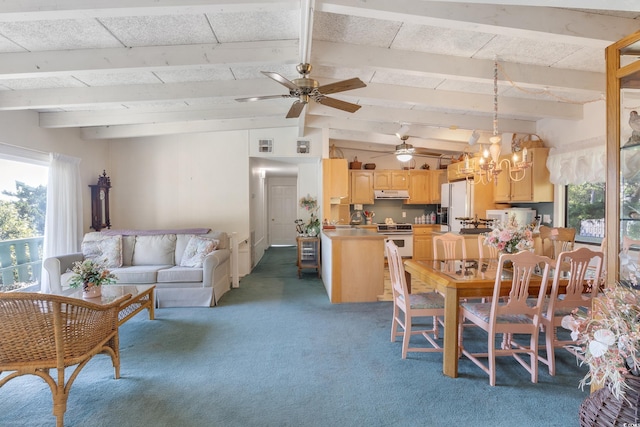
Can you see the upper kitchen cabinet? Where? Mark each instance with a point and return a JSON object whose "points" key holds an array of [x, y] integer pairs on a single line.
{"points": [[361, 189], [390, 180], [454, 170], [623, 151], [335, 178], [533, 188], [424, 186]]}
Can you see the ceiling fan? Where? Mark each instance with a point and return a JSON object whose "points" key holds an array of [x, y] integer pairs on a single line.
{"points": [[404, 152], [305, 88]]}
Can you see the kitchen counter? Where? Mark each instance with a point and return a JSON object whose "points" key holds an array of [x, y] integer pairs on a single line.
{"points": [[352, 264]]}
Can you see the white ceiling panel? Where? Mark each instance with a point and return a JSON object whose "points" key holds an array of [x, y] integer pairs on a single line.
{"points": [[353, 29], [525, 51], [240, 27], [425, 38], [41, 83], [160, 30], [59, 34]]}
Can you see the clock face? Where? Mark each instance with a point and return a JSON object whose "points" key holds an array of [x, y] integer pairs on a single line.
{"points": [[101, 194]]}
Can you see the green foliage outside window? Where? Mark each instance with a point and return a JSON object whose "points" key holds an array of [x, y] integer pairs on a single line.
{"points": [[586, 206]]}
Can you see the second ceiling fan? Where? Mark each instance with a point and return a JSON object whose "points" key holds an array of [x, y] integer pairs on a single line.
{"points": [[305, 88]]}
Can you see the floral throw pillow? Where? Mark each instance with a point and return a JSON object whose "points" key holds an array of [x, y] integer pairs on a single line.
{"points": [[196, 250], [106, 251]]}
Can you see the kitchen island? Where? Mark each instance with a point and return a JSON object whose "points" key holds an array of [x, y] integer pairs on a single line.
{"points": [[352, 264]]}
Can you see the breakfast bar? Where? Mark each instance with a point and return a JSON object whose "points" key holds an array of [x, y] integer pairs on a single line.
{"points": [[352, 264]]}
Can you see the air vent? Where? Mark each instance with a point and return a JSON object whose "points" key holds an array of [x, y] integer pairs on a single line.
{"points": [[265, 145], [303, 147]]}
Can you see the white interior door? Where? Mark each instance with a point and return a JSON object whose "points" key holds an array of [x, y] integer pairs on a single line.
{"points": [[282, 214]]}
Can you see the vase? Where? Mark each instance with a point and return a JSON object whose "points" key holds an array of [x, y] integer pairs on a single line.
{"points": [[91, 291], [368, 221], [601, 408]]}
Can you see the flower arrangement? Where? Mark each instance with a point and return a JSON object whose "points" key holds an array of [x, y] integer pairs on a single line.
{"points": [[313, 226], [510, 238], [608, 338], [89, 273], [369, 215]]}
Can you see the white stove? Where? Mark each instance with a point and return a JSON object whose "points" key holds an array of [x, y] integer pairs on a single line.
{"points": [[401, 235]]}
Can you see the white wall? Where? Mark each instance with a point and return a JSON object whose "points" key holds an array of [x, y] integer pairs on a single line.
{"points": [[180, 181], [559, 133]]}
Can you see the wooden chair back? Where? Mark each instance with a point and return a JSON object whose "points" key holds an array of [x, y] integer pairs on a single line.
{"points": [[40, 332], [555, 240], [450, 244], [486, 251]]}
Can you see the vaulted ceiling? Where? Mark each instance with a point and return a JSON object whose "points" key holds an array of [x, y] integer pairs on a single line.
{"points": [[128, 68]]}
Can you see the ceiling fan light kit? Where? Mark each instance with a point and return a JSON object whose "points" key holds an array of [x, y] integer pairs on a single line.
{"points": [[305, 88]]}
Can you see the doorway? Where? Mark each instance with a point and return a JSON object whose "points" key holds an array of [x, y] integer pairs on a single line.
{"points": [[282, 211]]}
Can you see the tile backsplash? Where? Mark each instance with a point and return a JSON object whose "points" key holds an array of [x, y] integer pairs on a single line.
{"points": [[394, 209]]}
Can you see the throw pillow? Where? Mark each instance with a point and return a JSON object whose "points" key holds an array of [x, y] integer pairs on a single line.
{"points": [[106, 251], [196, 250]]}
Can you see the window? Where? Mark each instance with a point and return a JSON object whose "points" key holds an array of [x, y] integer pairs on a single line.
{"points": [[23, 198], [585, 210]]}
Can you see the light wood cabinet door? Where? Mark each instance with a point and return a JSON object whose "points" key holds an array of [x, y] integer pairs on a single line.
{"points": [[535, 187], [338, 178], [423, 242], [390, 180], [361, 187], [438, 178], [419, 187]]}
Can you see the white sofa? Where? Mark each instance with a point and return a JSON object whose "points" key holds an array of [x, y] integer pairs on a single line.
{"points": [[198, 278]]}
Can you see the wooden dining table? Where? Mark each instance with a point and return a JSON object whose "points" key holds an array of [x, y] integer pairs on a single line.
{"points": [[456, 279]]}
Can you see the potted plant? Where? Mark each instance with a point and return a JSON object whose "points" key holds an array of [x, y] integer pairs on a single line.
{"points": [[91, 275], [312, 228], [608, 341]]}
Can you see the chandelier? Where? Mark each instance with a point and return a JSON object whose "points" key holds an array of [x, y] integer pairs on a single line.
{"points": [[489, 164]]}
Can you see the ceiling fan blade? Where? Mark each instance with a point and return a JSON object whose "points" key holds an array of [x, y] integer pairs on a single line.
{"points": [[341, 86], [340, 105], [259, 98], [280, 79], [295, 110]]}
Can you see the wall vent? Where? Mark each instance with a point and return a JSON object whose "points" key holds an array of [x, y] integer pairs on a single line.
{"points": [[303, 147], [265, 145]]}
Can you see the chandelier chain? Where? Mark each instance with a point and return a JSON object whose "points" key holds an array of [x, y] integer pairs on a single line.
{"points": [[495, 98]]}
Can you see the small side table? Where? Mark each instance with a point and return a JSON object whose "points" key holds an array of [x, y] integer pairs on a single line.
{"points": [[308, 254]]}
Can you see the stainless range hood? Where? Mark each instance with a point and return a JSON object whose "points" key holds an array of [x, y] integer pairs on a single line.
{"points": [[391, 194]]}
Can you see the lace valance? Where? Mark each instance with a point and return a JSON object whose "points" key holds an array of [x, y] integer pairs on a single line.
{"points": [[585, 163]]}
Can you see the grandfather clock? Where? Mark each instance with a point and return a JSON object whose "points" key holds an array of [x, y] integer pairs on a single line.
{"points": [[100, 203]]}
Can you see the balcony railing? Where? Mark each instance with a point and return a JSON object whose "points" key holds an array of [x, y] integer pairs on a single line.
{"points": [[20, 262]]}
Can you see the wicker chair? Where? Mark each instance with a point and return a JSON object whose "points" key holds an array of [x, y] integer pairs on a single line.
{"points": [[39, 332]]}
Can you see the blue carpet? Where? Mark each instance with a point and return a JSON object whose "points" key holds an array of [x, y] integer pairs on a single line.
{"points": [[275, 352]]}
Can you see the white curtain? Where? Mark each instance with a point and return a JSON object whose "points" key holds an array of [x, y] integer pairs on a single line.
{"points": [[63, 223], [585, 162]]}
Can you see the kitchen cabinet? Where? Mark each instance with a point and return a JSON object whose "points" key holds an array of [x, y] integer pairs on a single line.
{"points": [[424, 186], [423, 241], [623, 149], [454, 170], [336, 177], [335, 190], [533, 188], [390, 180], [361, 189]]}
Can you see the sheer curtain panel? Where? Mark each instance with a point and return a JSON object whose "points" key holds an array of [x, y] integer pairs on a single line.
{"points": [[63, 222]]}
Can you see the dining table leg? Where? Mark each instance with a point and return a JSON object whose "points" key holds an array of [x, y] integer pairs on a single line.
{"points": [[450, 350]]}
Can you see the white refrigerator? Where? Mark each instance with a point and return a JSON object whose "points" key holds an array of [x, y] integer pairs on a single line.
{"points": [[457, 202]]}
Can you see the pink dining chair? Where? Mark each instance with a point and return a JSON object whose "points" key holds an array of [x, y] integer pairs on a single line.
{"points": [[407, 306], [509, 316], [559, 304], [450, 243], [486, 251]]}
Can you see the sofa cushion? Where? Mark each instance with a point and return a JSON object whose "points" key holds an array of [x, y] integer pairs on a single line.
{"points": [[154, 250], [197, 248], [106, 250], [180, 274], [128, 244], [138, 273]]}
